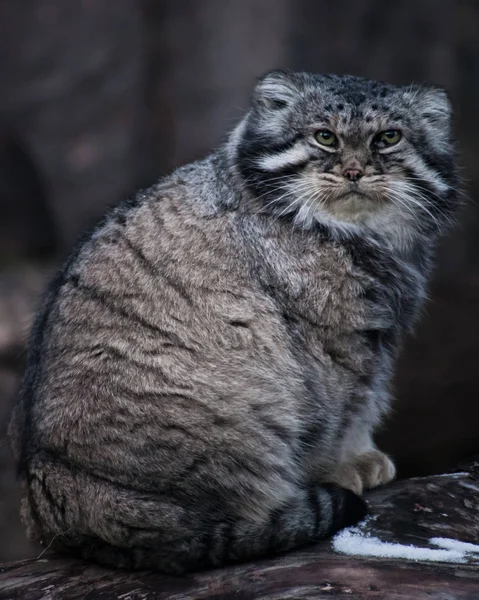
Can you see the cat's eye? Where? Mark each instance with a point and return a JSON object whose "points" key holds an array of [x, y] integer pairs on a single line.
{"points": [[325, 137], [390, 137]]}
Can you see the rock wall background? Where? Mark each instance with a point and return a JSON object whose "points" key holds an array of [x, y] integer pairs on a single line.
{"points": [[100, 98]]}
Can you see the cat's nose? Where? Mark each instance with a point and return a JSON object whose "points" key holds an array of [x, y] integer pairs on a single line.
{"points": [[353, 174]]}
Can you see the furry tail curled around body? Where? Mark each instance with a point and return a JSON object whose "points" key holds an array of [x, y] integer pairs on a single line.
{"points": [[96, 519]]}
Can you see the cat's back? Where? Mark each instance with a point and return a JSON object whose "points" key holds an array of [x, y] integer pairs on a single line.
{"points": [[158, 293], [162, 231], [146, 258]]}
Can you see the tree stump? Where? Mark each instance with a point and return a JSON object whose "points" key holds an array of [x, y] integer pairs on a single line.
{"points": [[410, 513]]}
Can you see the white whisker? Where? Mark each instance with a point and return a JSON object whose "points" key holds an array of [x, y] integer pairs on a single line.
{"points": [[407, 200]]}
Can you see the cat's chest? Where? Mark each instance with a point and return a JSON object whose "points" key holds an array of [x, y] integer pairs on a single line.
{"points": [[323, 295], [315, 281]]}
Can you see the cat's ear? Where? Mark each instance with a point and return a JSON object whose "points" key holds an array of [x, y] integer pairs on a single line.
{"points": [[434, 104], [433, 107], [275, 91]]}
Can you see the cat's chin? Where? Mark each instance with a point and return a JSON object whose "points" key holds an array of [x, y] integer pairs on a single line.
{"points": [[357, 211], [353, 208]]}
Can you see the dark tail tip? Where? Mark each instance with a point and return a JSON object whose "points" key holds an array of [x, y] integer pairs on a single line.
{"points": [[355, 508], [349, 507]]}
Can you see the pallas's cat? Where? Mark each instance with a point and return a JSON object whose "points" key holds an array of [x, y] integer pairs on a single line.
{"points": [[209, 366]]}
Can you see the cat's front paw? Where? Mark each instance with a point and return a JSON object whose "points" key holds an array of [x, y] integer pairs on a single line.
{"points": [[375, 468], [366, 471]]}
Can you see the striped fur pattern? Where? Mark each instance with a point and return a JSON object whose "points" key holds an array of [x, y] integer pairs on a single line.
{"points": [[208, 368]]}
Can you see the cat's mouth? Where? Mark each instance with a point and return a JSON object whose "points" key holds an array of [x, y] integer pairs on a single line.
{"points": [[354, 192], [331, 190], [350, 201], [353, 204]]}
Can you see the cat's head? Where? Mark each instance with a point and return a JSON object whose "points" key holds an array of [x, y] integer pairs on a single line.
{"points": [[349, 150]]}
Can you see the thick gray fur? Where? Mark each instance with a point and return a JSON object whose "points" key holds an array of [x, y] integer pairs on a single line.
{"points": [[208, 368]]}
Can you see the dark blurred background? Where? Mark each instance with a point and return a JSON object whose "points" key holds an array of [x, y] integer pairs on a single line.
{"points": [[101, 97]]}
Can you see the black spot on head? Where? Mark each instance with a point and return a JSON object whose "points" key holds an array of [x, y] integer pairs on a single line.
{"points": [[112, 239], [221, 420], [374, 106], [339, 106], [383, 93], [74, 280], [121, 218], [368, 118], [240, 324]]}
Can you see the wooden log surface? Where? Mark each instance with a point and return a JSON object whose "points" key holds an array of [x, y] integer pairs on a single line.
{"points": [[408, 512]]}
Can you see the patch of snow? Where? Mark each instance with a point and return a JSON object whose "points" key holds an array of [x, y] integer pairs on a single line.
{"points": [[355, 541], [357, 544], [450, 544]]}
